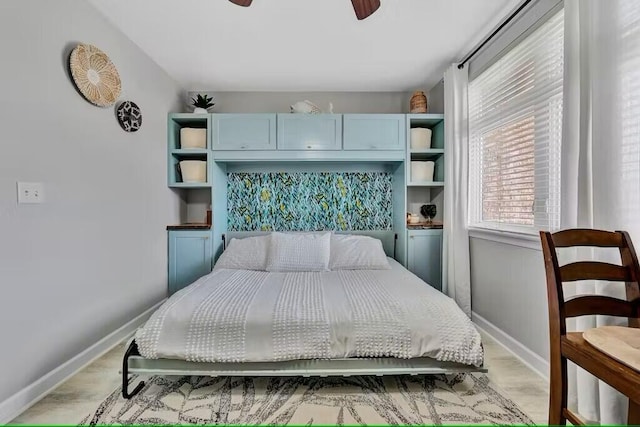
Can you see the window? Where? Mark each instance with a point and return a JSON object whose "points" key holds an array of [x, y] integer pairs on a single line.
{"points": [[515, 133], [628, 110]]}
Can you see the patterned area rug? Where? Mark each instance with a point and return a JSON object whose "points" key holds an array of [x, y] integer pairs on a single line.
{"points": [[437, 399]]}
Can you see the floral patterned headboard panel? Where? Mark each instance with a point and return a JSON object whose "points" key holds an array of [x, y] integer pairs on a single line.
{"points": [[309, 201]]}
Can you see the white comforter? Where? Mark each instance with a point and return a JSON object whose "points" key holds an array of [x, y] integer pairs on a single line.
{"points": [[250, 316]]}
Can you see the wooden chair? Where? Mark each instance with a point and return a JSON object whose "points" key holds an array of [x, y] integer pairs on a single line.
{"points": [[571, 345]]}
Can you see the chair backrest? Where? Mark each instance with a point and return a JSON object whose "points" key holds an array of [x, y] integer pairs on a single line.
{"points": [[628, 272]]}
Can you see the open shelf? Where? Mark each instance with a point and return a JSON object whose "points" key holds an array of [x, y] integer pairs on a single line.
{"points": [[426, 184], [178, 121], [426, 154], [190, 185], [425, 120], [435, 122], [175, 176], [189, 152], [175, 154]]}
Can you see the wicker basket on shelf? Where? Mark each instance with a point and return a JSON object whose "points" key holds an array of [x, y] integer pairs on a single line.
{"points": [[418, 103]]}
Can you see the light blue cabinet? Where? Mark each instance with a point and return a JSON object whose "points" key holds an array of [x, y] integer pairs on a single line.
{"points": [[424, 256], [374, 131], [309, 132], [189, 257], [243, 132]]}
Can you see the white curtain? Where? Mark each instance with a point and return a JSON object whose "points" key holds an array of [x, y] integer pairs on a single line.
{"points": [[601, 157], [457, 282]]}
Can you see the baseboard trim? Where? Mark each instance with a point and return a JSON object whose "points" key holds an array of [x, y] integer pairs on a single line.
{"points": [[22, 400], [513, 346]]}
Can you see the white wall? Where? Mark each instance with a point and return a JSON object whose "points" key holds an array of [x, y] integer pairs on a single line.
{"points": [[94, 255], [508, 289]]}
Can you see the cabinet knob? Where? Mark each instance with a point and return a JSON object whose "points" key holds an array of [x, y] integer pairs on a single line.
{"points": [[308, 146], [411, 237], [243, 147]]}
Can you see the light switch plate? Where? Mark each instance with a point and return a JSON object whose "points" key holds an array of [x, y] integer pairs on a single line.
{"points": [[30, 192]]}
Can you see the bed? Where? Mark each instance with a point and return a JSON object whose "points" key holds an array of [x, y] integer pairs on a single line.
{"points": [[245, 319]]}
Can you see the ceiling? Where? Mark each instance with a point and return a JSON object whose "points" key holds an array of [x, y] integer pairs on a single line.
{"points": [[305, 45]]}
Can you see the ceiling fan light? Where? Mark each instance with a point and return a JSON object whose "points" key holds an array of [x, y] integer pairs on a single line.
{"points": [[243, 3], [365, 8]]}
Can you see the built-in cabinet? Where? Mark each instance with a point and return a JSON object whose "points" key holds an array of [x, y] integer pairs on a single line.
{"points": [[374, 131], [353, 138], [243, 132], [424, 242], [309, 132], [189, 257], [177, 153], [424, 255]]}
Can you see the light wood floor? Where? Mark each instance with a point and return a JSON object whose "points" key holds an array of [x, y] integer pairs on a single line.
{"points": [[82, 393]]}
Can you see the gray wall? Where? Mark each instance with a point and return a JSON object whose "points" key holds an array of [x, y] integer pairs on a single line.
{"points": [[508, 289], [94, 255], [343, 102], [435, 98]]}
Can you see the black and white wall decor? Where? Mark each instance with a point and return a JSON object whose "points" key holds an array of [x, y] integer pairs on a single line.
{"points": [[129, 116]]}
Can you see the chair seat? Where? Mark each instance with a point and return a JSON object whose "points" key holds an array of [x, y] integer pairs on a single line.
{"points": [[618, 375]]}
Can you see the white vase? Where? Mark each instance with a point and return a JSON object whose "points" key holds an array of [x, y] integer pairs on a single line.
{"points": [[198, 110], [193, 138], [422, 171], [420, 138], [193, 171]]}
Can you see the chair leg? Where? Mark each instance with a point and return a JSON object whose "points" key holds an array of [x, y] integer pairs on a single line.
{"points": [[558, 391], [633, 417]]}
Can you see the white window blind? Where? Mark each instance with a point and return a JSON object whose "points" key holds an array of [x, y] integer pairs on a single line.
{"points": [[628, 111], [515, 130]]}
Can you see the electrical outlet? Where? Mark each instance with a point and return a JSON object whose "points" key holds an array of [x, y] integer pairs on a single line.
{"points": [[30, 192]]}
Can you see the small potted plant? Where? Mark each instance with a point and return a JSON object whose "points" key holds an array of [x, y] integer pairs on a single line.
{"points": [[202, 103]]}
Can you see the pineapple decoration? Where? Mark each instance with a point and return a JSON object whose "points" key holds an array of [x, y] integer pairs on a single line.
{"points": [[202, 103]]}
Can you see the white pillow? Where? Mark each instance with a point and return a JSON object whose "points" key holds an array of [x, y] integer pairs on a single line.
{"points": [[349, 252], [299, 252], [249, 253]]}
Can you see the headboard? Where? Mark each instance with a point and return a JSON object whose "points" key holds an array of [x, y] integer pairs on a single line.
{"points": [[388, 238]]}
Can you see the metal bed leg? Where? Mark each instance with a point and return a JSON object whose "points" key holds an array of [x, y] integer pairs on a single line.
{"points": [[132, 350]]}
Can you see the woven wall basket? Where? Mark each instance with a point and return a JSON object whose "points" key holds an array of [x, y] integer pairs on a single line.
{"points": [[94, 75]]}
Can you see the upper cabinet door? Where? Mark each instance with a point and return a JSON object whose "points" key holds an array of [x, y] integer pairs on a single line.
{"points": [[309, 132], [244, 132], [374, 131]]}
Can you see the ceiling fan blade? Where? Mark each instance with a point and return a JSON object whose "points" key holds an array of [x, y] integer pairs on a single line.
{"points": [[365, 8], [243, 3]]}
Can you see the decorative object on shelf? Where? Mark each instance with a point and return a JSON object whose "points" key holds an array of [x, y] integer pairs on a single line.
{"points": [[193, 171], [201, 103], [209, 215], [429, 211], [362, 8], [94, 75], [420, 138], [413, 218], [418, 103], [422, 171], [129, 116], [308, 107], [193, 138]]}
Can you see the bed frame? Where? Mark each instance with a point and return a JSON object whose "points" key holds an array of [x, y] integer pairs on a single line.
{"points": [[134, 363]]}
